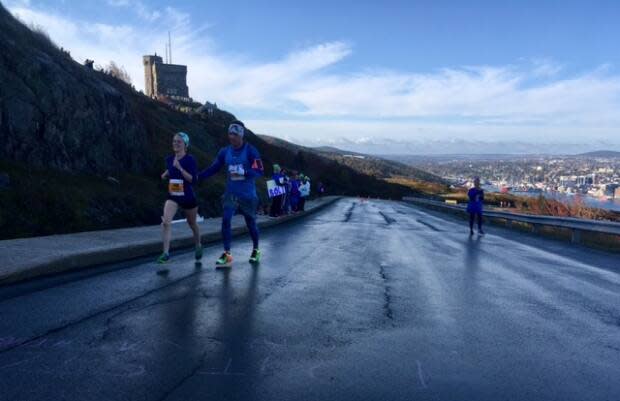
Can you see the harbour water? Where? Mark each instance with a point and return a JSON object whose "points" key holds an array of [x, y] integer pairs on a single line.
{"points": [[588, 200]]}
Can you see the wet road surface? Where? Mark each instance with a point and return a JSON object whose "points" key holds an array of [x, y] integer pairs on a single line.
{"points": [[363, 301]]}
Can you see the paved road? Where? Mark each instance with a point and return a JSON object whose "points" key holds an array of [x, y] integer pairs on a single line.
{"points": [[362, 301]]}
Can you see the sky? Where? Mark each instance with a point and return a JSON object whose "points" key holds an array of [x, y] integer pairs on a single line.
{"points": [[374, 76]]}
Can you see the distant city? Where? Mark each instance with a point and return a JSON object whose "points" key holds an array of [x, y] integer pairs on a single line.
{"points": [[593, 177]]}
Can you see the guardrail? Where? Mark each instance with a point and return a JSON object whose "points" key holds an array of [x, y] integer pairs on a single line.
{"points": [[576, 226]]}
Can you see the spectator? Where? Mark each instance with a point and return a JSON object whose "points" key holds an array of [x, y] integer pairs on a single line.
{"points": [[286, 202], [321, 189], [276, 201], [295, 194], [304, 190]]}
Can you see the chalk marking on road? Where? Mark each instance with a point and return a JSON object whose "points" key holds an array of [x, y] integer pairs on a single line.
{"points": [[70, 360], [223, 373], [174, 344], [126, 346], [40, 343], [312, 369], [263, 366], [421, 374], [62, 343], [139, 371]]}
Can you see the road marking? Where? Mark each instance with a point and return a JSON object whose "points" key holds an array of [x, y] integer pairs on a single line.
{"points": [[263, 365], [421, 374], [224, 373], [174, 344]]}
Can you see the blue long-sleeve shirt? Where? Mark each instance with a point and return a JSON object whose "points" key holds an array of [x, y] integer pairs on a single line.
{"points": [[247, 160], [476, 199]]}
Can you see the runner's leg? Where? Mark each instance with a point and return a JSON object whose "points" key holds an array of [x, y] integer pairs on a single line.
{"points": [[226, 227], [170, 209], [191, 215], [250, 222]]}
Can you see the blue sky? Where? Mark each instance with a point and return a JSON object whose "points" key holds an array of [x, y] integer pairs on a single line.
{"points": [[372, 73]]}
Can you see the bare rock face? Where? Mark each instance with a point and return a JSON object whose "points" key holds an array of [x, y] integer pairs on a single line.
{"points": [[57, 113]]}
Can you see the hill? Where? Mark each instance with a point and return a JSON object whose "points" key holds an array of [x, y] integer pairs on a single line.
{"points": [[82, 150], [379, 167], [600, 153]]}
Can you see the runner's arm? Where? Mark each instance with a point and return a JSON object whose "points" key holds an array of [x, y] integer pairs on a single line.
{"points": [[165, 174], [190, 173], [256, 170], [217, 164]]}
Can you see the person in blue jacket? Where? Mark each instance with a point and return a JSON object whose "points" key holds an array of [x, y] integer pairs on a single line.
{"points": [[243, 166], [475, 197], [181, 175], [295, 193]]}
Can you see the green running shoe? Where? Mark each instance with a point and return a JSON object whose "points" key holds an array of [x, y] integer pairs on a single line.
{"points": [[163, 258], [224, 261], [198, 253], [255, 257]]}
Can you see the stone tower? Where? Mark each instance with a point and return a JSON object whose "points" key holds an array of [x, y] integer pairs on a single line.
{"points": [[149, 73], [164, 79]]}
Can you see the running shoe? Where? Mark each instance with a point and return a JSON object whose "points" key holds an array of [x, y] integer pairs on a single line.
{"points": [[255, 257], [480, 232], [198, 253], [225, 260], [163, 258]]}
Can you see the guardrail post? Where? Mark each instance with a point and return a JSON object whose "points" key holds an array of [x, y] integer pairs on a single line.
{"points": [[535, 228], [576, 236], [509, 223]]}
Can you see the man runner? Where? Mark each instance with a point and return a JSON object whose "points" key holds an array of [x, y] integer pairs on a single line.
{"points": [[475, 202], [243, 166]]}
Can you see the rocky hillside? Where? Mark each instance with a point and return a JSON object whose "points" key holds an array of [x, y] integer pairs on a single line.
{"points": [[82, 150]]}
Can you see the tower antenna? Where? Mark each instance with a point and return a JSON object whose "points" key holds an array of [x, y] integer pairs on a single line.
{"points": [[169, 49]]}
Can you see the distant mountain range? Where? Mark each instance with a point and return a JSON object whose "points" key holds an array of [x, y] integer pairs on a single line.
{"points": [[383, 147], [600, 153], [363, 163]]}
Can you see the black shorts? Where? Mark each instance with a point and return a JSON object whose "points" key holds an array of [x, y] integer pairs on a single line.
{"points": [[185, 204]]}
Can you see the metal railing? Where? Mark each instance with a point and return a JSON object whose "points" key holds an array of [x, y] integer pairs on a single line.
{"points": [[577, 226]]}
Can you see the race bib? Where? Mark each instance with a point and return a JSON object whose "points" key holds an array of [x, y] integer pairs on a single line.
{"points": [[236, 171], [175, 187]]}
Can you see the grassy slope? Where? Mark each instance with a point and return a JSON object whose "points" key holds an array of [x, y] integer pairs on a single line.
{"points": [[387, 170]]}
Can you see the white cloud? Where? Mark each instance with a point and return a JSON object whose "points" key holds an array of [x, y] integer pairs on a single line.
{"points": [[530, 99], [138, 7]]}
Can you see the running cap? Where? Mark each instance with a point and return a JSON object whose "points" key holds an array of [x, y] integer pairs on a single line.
{"points": [[185, 137], [236, 128]]}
